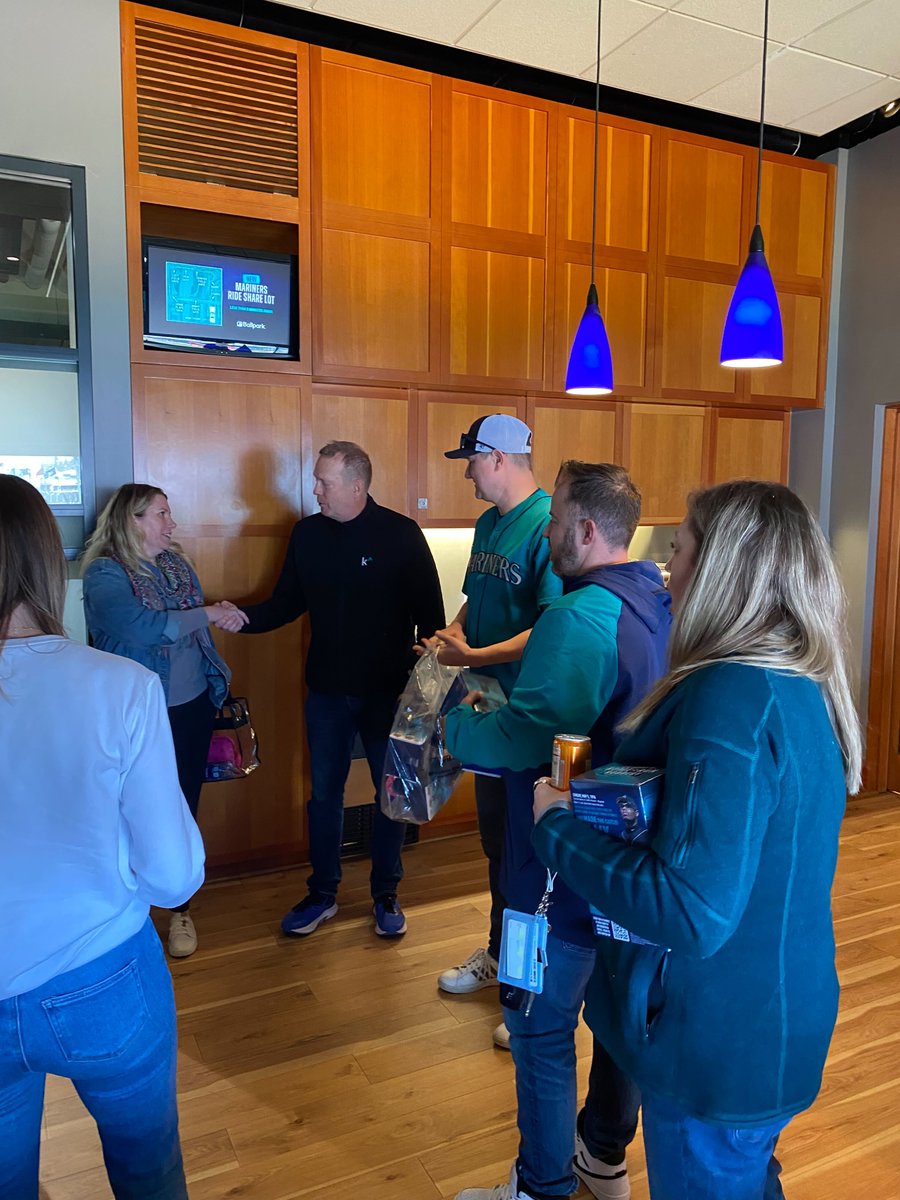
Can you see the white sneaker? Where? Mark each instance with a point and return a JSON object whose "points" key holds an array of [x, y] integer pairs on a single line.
{"points": [[182, 935], [478, 971], [500, 1191], [501, 1036], [601, 1180]]}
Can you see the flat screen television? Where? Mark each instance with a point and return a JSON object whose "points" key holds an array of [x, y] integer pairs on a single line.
{"points": [[219, 300]]}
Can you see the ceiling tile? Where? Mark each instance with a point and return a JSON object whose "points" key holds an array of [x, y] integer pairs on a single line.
{"points": [[521, 31], [676, 57], [834, 115], [787, 21], [869, 37], [431, 19], [296, 3], [797, 83]]}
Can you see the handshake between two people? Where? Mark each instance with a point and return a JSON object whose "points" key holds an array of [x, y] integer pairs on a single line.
{"points": [[226, 616]]}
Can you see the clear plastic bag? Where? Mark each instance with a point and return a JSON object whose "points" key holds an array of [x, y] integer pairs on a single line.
{"points": [[419, 772]]}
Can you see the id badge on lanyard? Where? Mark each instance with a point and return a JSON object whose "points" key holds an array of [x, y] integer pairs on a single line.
{"points": [[523, 949]]}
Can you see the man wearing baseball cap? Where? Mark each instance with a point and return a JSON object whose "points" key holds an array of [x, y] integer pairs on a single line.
{"points": [[508, 583]]}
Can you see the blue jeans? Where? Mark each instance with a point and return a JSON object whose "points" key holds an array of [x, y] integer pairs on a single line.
{"points": [[689, 1159], [543, 1049], [332, 723], [108, 1026]]}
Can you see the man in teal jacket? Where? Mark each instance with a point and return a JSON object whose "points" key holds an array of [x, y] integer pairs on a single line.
{"points": [[592, 655], [508, 582]]}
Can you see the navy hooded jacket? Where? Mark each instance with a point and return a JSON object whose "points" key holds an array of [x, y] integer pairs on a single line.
{"points": [[592, 655]]}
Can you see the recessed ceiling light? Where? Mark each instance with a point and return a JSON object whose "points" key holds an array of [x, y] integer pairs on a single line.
{"points": [[890, 109]]}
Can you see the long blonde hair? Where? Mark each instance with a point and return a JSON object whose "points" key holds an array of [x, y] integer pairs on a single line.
{"points": [[117, 536], [764, 592], [32, 562]]}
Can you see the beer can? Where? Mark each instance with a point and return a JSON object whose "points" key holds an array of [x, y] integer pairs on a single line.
{"points": [[571, 757]]}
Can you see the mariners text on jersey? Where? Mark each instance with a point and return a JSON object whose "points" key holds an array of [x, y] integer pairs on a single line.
{"points": [[482, 562]]}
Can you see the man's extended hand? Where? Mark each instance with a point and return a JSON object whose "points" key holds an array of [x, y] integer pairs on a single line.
{"points": [[455, 651]]}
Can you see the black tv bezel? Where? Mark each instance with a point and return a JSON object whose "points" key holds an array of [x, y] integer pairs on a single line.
{"points": [[167, 243]]}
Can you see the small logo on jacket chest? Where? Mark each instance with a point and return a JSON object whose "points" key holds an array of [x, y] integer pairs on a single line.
{"points": [[366, 560]]}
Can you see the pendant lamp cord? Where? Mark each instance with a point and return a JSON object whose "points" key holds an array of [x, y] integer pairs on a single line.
{"points": [[762, 109], [597, 142]]}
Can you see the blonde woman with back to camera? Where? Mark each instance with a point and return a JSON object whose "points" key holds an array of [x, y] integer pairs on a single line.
{"points": [[724, 1022], [142, 600], [95, 830]]}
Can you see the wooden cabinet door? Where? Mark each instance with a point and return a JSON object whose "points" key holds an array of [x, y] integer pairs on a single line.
{"points": [[566, 429], [693, 313], [796, 211], [752, 444], [377, 170], [704, 199], [450, 497], [498, 192], [800, 380], [378, 419], [666, 449], [624, 198]]}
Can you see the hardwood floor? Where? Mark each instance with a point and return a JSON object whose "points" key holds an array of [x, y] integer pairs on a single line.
{"points": [[333, 1068]]}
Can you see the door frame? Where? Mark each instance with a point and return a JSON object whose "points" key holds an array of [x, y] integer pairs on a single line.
{"points": [[884, 693]]}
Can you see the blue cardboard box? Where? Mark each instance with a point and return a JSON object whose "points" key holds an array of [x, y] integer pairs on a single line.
{"points": [[620, 801]]}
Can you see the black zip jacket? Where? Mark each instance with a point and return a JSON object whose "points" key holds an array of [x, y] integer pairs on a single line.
{"points": [[371, 589]]}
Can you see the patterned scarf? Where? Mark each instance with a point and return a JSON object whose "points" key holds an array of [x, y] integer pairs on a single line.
{"points": [[170, 586]]}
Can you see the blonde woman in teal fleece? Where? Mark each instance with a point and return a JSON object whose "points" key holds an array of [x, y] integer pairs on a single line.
{"points": [[724, 1023]]}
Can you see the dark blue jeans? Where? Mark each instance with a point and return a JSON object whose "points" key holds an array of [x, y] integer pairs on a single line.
{"points": [[543, 1049], [689, 1159], [109, 1026], [490, 803], [332, 723]]}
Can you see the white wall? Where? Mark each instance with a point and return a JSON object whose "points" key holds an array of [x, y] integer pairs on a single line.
{"points": [[60, 99]]}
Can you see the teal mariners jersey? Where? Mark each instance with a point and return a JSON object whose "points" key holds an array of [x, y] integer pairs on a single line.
{"points": [[509, 580]]}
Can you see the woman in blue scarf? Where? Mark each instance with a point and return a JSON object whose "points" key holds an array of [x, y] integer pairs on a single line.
{"points": [[142, 600]]}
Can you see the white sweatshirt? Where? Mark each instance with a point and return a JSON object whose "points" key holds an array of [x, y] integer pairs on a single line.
{"points": [[93, 826]]}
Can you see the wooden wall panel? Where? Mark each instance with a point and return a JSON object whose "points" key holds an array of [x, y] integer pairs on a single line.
{"points": [[798, 377], [704, 201], [665, 451], [227, 451], [623, 295], [793, 209], [623, 182], [562, 432], [496, 316], [374, 124], [377, 420], [498, 164], [451, 497], [750, 446], [375, 303], [694, 312]]}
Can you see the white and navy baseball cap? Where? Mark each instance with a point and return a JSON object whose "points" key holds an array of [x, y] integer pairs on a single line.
{"points": [[494, 432]]}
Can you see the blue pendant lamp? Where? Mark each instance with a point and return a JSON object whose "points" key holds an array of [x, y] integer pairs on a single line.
{"points": [[753, 336], [590, 372]]}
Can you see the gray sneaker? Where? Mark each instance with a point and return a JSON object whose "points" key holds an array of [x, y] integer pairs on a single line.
{"points": [[182, 935], [478, 971]]}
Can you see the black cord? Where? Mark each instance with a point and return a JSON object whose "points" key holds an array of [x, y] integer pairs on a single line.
{"points": [[597, 144], [762, 110]]}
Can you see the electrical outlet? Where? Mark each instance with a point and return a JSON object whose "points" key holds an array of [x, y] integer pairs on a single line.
{"points": [[423, 502]]}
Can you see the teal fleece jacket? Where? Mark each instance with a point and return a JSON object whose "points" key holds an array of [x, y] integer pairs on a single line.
{"points": [[731, 1013], [569, 670]]}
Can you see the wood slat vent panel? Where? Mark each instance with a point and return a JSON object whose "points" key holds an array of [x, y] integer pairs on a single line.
{"points": [[216, 111]]}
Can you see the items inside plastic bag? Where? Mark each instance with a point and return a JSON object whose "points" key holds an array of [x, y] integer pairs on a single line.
{"points": [[419, 772]]}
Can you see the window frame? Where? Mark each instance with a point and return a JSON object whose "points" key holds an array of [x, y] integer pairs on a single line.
{"points": [[77, 356]]}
